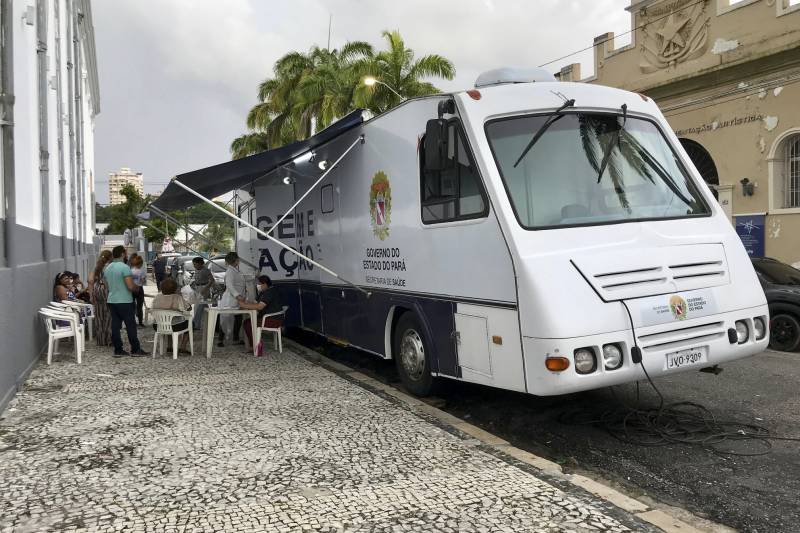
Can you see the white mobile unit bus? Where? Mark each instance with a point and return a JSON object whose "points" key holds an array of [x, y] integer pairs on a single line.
{"points": [[528, 234]]}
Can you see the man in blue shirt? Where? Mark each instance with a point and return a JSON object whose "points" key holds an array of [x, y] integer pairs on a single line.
{"points": [[119, 279]]}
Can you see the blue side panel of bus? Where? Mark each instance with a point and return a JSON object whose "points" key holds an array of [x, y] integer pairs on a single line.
{"points": [[348, 315]]}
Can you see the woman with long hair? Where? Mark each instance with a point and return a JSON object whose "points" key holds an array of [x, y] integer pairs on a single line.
{"points": [[99, 293], [139, 280]]}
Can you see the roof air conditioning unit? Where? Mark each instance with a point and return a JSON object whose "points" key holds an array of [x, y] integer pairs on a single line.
{"points": [[501, 76]]}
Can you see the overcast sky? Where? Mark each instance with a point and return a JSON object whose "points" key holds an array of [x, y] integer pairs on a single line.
{"points": [[177, 77]]}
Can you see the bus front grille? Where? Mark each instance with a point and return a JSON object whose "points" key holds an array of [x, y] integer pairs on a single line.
{"points": [[684, 337], [637, 273]]}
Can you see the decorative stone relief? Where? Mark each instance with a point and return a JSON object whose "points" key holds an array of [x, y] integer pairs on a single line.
{"points": [[673, 32]]}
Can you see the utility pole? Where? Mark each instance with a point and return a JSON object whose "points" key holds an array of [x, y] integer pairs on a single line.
{"points": [[330, 22]]}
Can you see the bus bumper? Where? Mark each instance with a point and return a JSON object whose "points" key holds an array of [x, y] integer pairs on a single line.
{"points": [[666, 349]]}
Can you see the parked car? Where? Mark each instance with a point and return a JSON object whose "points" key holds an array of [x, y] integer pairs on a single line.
{"points": [[167, 258], [781, 284], [175, 266], [188, 270]]}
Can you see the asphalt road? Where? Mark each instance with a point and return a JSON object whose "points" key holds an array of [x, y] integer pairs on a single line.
{"points": [[756, 493]]}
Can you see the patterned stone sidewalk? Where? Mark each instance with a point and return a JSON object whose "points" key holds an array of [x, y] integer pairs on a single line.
{"points": [[238, 443]]}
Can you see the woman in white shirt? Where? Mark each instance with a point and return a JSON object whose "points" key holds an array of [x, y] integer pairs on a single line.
{"points": [[235, 290], [139, 274]]}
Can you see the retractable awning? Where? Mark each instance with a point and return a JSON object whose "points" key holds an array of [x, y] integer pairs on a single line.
{"points": [[240, 173]]}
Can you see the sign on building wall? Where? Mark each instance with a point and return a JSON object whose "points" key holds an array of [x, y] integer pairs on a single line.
{"points": [[750, 229]]}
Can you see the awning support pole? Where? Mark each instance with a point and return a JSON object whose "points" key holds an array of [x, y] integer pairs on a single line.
{"points": [[161, 231], [270, 237], [195, 234], [360, 140]]}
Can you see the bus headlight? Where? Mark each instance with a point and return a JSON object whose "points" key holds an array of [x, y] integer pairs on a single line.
{"points": [[742, 331], [585, 361], [612, 356], [760, 328]]}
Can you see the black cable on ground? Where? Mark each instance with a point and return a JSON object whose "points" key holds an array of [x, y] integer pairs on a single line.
{"points": [[687, 423]]}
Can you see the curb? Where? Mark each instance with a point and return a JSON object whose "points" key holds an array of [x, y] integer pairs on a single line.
{"points": [[668, 519]]}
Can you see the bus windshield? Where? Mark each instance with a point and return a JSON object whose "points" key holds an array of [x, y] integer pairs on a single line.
{"points": [[590, 169]]}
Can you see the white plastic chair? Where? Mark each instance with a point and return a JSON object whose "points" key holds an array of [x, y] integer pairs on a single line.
{"points": [[276, 332], [163, 322], [56, 331], [146, 309], [87, 314]]}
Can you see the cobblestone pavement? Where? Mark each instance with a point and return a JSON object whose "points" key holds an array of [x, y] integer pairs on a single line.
{"points": [[253, 444]]}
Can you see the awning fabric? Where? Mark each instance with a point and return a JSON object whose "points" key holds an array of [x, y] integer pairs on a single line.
{"points": [[240, 173]]}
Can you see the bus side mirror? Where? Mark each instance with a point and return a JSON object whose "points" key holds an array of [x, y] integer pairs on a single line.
{"points": [[436, 144]]}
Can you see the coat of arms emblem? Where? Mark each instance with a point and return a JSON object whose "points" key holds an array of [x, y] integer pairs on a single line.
{"points": [[678, 307], [380, 204]]}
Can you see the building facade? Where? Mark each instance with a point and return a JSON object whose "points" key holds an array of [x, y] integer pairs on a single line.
{"points": [[726, 74], [117, 180], [49, 97]]}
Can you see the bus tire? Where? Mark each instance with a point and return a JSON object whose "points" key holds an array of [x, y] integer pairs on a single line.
{"points": [[412, 355]]}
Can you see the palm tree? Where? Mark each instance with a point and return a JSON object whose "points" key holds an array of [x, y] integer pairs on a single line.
{"points": [[397, 68], [249, 144], [309, 91], [327, 92]]}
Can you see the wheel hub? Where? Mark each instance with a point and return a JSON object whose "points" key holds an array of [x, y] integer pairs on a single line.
{"points": [[412, 354], [783, 330]]}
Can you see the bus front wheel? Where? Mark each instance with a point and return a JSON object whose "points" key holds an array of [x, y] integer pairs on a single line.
{"points": [[412, 356]]}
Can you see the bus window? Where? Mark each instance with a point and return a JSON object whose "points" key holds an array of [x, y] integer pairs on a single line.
{"points": [[454, 192]]}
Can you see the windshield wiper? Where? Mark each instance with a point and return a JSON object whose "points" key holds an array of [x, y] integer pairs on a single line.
{"points": [[613, 143], [549, 122]]}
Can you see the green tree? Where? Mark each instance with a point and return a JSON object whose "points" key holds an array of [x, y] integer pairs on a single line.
{"points": [[249, 144], [309, 91], [159, 230], [101, 213], [218, 236], [397, 68], [123, 216]]}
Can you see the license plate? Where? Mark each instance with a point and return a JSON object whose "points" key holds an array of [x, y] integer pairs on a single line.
{"points": [[682, 358]]}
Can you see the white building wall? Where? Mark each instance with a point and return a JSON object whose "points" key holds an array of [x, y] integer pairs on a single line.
{"points": [[88, 159], [26, 118], [31, 255], [54, 202]]}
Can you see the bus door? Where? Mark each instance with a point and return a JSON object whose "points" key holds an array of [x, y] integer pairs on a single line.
{"points": [[307, 242]]}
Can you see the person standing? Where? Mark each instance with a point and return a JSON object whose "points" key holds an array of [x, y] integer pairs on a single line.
{"points": [[159, 270], [139, 280], [98, 290], [202, 283], [120, 303], [234, 294]]}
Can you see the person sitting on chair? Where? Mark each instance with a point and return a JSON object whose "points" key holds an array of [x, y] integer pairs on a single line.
{"points": [[269, 301], [63, 290], [171, 300], [78, 288]]}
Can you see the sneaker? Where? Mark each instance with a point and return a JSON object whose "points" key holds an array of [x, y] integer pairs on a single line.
{"points": [[140, 353], [123, 353]]}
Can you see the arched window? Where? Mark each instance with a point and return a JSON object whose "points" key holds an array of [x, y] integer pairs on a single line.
{"points": [[791, 171]]}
